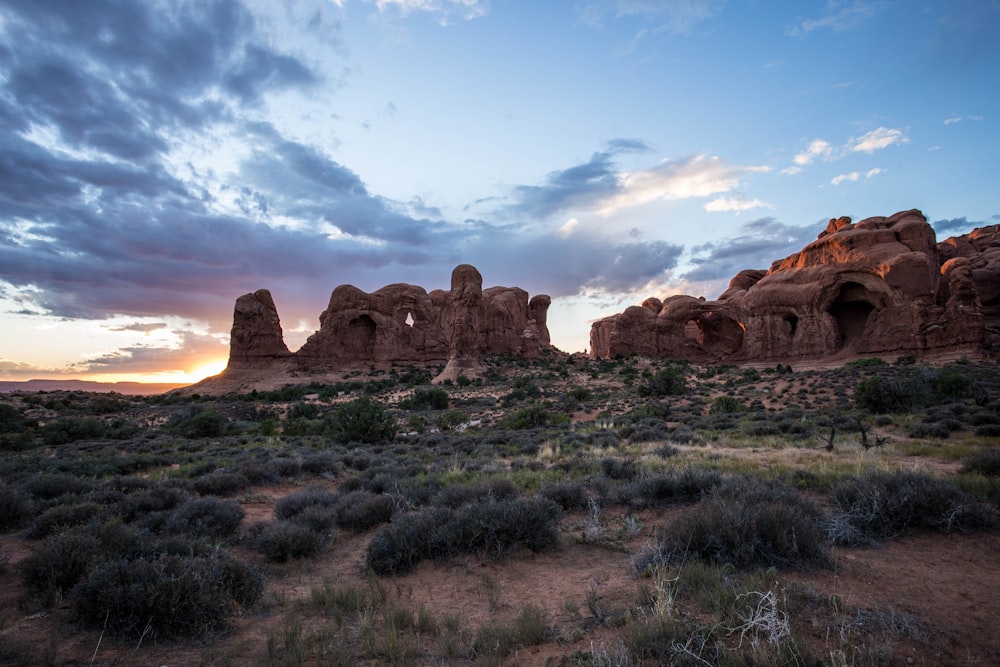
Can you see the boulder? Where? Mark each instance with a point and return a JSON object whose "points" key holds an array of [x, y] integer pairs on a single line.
{"points": [[882, 286]]}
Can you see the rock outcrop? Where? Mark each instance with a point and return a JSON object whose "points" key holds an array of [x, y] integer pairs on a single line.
{"points": [[398, 323], [882, 286]]}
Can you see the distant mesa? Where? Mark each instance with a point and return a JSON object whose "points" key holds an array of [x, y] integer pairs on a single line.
{"points": [[882, 286], [398, 323]]}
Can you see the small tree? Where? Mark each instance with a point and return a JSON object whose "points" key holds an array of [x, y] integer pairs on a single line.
{"points": [[361, 420]]}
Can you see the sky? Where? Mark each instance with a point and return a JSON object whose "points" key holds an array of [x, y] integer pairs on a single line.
{"points": [[158, 159]]}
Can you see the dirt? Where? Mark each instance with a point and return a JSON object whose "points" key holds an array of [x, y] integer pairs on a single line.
{"points": [[939, 593]]}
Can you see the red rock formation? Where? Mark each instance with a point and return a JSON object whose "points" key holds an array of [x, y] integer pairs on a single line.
{"points": [[398, 323], [880, 286], [256, 340]]}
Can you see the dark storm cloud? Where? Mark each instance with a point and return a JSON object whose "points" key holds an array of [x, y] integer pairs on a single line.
{"points": [[579, 185], [762, 242], [954, 227]]}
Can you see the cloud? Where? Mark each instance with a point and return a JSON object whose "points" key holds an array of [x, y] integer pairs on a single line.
{"points": [[955, 226], [839, 16], [958, 119], [760, 243], [855, 176], [738, 204], [141, 327], [877, 139], [444, 9], [818, 148], [685, 178], [675, 17], [192, 350]]}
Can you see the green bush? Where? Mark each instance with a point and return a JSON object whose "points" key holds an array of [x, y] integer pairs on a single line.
{"points": [[408, 540], [568, 495], [985, 462], [220, 483], [426, 399], [670, 381], [70, 429], [298, 501], [204, 424], [59, 517], [361, 420], [725, 405]]}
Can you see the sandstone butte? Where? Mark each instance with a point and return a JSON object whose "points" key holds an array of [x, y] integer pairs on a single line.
{"points": [[882, 286], [398, 323]]}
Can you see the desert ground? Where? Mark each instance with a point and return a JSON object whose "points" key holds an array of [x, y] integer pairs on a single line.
{"points": [[565, 511]]}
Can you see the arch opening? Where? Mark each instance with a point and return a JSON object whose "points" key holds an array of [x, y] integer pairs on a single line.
{"points": [[851, 310], [359, 340]]}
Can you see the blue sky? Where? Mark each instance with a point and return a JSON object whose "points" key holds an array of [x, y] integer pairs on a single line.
{"points": [[160, 159]]}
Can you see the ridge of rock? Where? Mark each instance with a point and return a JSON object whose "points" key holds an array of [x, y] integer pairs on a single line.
{"points": [[881, 286], [398, 323]]}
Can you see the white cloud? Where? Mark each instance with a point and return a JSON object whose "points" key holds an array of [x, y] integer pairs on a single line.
{"points": [[959, 119], [467, 9], [697, 176], [877, 139], [568, 228], [738, 204], [818, 148], [855, 176], [839, 16]]}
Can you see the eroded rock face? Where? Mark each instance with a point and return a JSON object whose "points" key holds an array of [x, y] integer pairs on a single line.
{"points": [[256, 340], [879, 286], [399, 323]]}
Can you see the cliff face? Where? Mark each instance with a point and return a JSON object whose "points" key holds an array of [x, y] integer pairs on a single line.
{"points": [[397, 323], [879, 286]]}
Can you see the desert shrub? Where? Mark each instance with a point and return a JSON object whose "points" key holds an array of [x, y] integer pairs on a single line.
{"points": [[496, 527], [568, 495], [928, 430], [15, 508], [426, 399], [984, 462], [749, 523], [530, 416], [156, 499], [50, 487], [359, 510], [670, 381], [651, 409], [320, 463], [988, 431], [283, 541], [70, 429], [59, 517], [205, 517], [497, 488], [502, 639], [880, 505], [409, 539], [298, 501], [220, 483], [451, 419], [165, 597], [57, 563], [499, 526], [361, 420], [11, 419], [303, 411], [204, 424], [685, 486], [725, 405], [914, 389], [619, 469]]}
